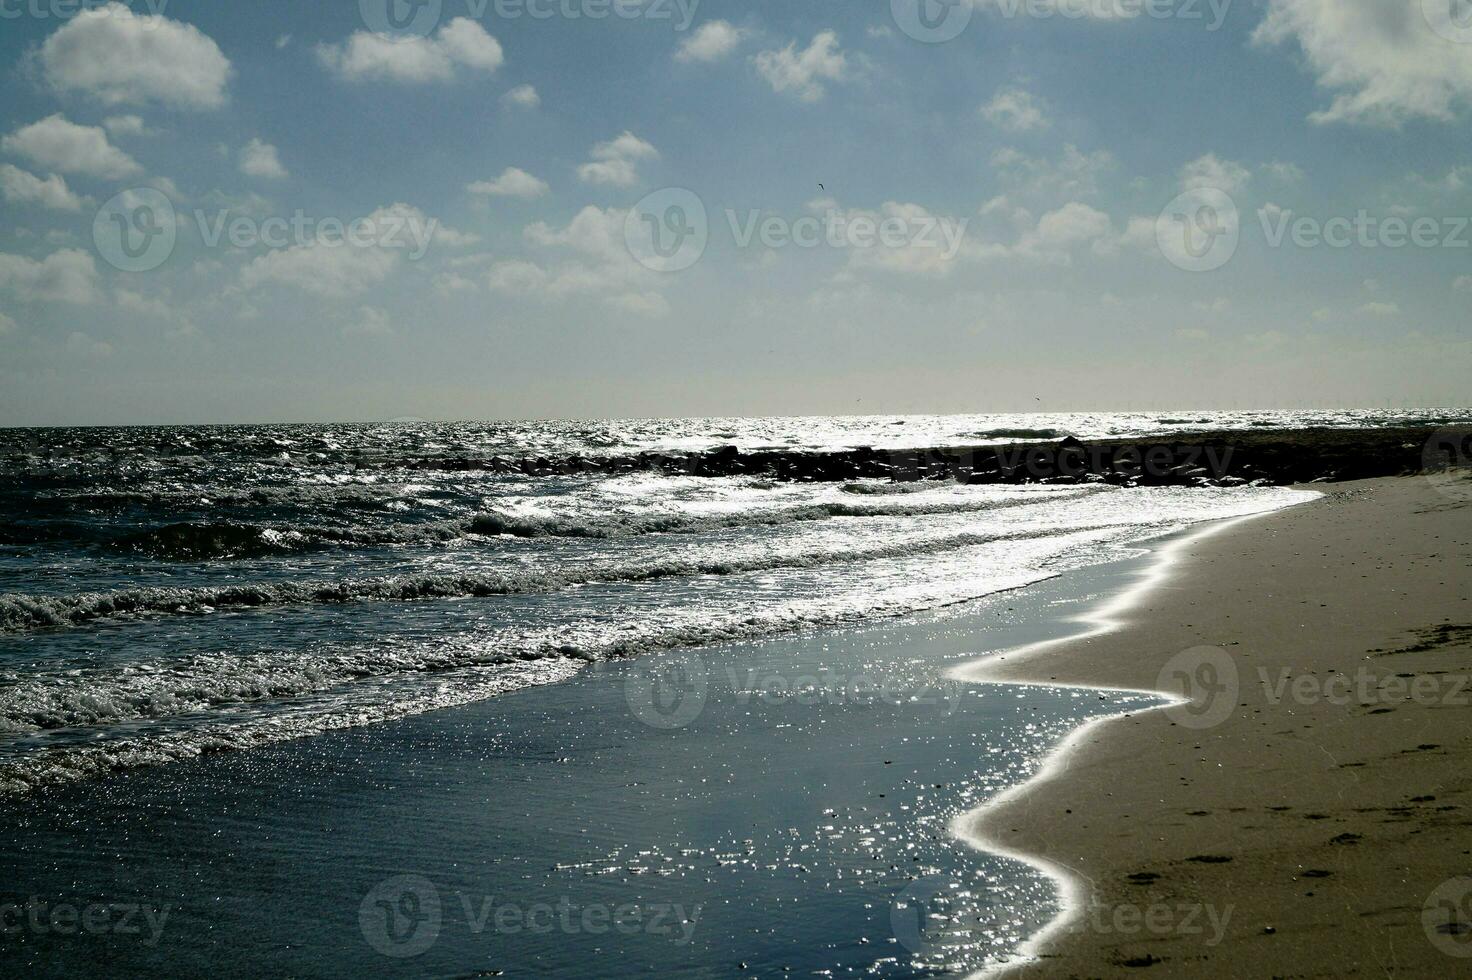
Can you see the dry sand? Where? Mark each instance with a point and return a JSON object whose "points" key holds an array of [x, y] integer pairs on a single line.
{"points": [[1303, 834]]}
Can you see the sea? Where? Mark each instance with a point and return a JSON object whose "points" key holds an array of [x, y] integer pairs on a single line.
{"points": [[344, 631]]}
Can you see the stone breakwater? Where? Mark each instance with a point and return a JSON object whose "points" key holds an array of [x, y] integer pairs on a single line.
{"points": [[1276, 458]]}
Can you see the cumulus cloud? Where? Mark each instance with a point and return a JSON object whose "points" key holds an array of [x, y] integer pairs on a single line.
{"points": [[68, 276], [85, 345], [516, 276], [341, 265], [124, 125], [1212, 171], [333, 271], [21, 187], [615, 163], [1016, 110], [599, 267], [62, 145], [364, 56], [369, 322], [712, 42], [901, 238], [119, 57], [7, 324], [803, 73], [1382, 60], [513, 182], [260, 159], [522, 97], [1073, 175]]}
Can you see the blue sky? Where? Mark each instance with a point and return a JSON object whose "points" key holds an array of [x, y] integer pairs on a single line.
{"points": [[1028, 172]]}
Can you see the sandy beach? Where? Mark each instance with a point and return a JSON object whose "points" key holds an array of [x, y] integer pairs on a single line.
{"points": [[1300, 814]]}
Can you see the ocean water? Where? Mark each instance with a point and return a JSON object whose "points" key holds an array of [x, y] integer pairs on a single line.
{"points": [[277, 681], [171, 591]]}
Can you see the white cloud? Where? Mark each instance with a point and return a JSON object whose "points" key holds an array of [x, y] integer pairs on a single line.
{"points": [[712, 42], [119, 57], [1213, 172], [1286, 173], [1017, 110], [615, 163], [593, 231], [919, 243], [1379, 309], [602, 267], [1192, 333], [7, 324], [124, 125], [513, 182], [60, 145], [333, 271], [369, 322], [69, 276], [803, 73], [260, 159], [462, 43], [1059, 232], [21, 187], [86, 345], [522, 97], [1382, 60], [336, 267], [1073, 175], [1462, 284], [516, 276]]}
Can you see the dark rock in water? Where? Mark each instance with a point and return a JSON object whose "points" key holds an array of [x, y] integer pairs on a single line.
{"points": [[1231, 458]]}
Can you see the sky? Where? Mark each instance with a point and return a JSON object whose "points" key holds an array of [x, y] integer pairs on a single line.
{"points": [[343, 210]]}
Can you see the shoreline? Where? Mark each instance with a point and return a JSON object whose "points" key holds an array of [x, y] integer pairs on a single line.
{"points": [[1112, 771], [1100, 620]]}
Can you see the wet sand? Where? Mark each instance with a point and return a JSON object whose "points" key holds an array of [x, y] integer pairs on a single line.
{"points": [[1304, 808]]}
